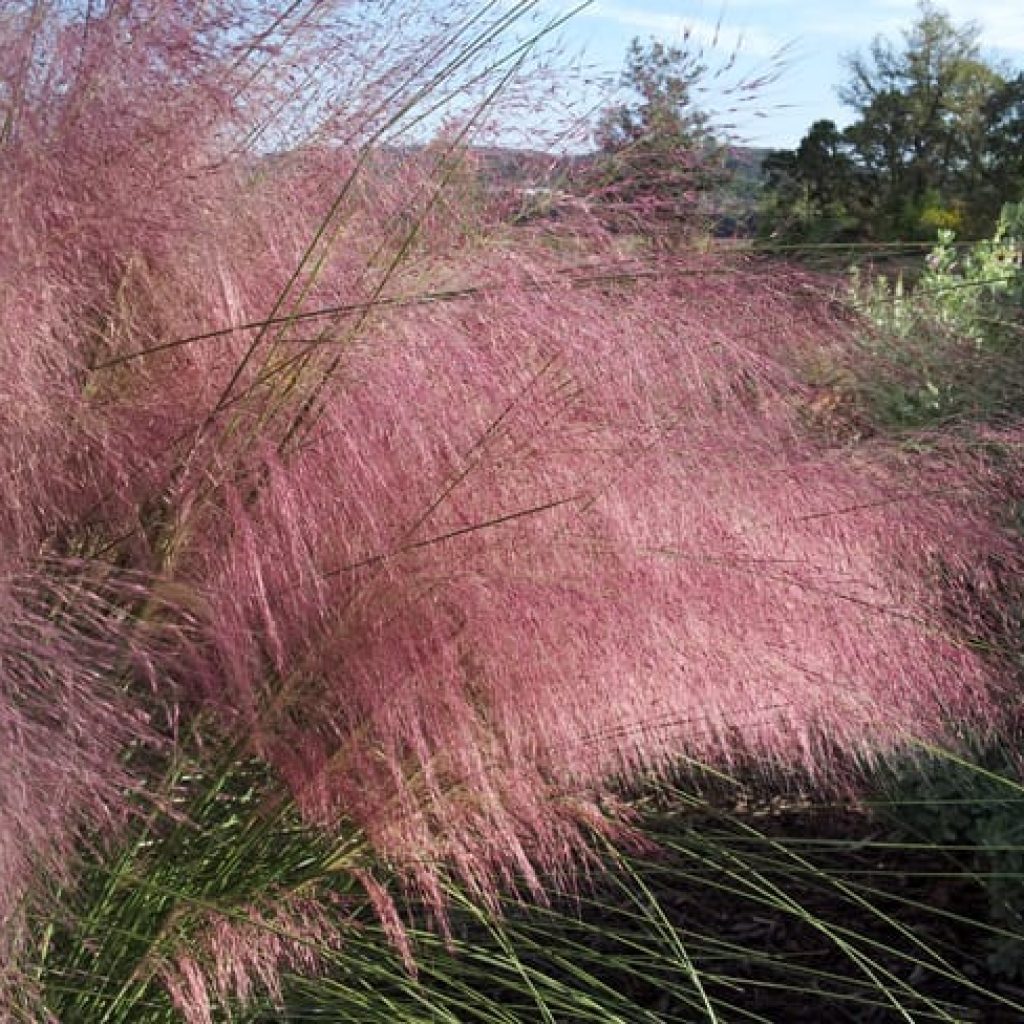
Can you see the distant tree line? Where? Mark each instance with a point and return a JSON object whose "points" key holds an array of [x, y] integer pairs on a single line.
{"points": [[938, 142]]}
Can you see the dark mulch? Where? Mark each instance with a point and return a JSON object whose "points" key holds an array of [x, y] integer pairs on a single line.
{"points": [[915, 917]]}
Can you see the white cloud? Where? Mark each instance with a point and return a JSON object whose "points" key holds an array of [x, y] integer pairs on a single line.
{"points": [[722, 38], [1001, 21]]}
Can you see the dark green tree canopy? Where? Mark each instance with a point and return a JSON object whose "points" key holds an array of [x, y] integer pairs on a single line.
{"points": [[820, 166], [1004, 130], [920, 105], [935, 141]]}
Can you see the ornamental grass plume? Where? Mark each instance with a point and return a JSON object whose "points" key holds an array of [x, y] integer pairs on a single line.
{"points": [[454, 535], [540, 541], [72, 743], [141, 204]]}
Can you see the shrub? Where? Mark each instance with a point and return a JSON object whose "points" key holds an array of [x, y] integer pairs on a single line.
{"points": [[949, 347]]}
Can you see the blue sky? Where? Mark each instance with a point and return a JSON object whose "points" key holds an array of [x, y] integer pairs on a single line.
{"points": [[813, 34]]}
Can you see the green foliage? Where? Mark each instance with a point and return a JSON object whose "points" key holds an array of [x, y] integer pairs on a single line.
{"points": [[975, 292], [920, 106], [971, 807], [745, 901], [752, 907], [1004, 115], [661, 118], [934, 144], [213, 851], [809, 190], [971, 290], [950, 346]]}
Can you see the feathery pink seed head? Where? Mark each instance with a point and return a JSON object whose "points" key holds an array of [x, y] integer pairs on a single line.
{"points": [[551, 533]]}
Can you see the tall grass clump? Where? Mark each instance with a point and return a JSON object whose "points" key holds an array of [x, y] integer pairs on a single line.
{"points": [[354, 543]]}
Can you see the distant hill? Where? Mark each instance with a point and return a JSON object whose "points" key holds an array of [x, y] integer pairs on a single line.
{"points": [[508, 166], [522, 170]]}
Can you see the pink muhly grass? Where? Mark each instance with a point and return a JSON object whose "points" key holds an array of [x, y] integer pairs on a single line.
{"points": [[456, 558], [64, 723], [141, 206], [539, 541], [233, 959]]}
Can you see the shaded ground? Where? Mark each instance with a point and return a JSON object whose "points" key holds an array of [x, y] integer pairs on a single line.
{"points": [[836, 902], [787, 914]]}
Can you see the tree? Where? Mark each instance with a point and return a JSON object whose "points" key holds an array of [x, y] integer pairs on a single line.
{"points": [[811, 187], [662, 116], [658, 151], [820, 167], [1003, 170], [920, 131], [931, 145]]}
